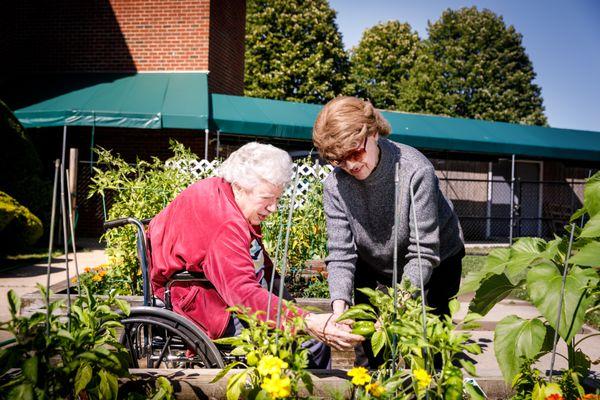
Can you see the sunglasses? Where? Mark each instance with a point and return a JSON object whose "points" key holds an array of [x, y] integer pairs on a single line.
{"points": [[354, 155]]}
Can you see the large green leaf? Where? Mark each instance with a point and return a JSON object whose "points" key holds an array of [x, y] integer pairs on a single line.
{"points": [[495, 263], [522, 254], [377, 341], [588, 256], [591, 195], [544, 284], [592, 227], [492, 290], [517, 339]]}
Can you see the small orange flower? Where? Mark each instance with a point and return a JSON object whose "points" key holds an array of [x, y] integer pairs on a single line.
{"points": [[74, 279], [591, 396], [87, 269], [554, 396]]}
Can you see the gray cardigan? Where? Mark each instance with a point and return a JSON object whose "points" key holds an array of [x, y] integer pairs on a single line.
{"points": [[360, 220]]}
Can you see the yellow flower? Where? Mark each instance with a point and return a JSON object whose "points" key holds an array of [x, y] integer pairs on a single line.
{"points": [[87, 269], [96, 278], [422, 377], [276, 386], [74, 279], [360, 376], [102, 273], [269, 365], [375, 389]]}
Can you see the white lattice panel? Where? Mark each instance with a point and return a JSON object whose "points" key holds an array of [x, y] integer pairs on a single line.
{"points": [[308, 172]]}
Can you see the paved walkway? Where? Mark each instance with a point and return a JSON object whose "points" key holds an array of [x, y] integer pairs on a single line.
{"points": [[24, 279]]}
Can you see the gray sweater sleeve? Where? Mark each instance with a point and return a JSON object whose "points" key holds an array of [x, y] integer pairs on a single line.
{"points": [[425, 187], [341, 261]]}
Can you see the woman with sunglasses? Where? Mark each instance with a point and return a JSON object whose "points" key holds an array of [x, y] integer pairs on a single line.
{"points": [[359, 205]]}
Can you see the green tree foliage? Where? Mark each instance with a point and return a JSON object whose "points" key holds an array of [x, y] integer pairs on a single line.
{"points": [[20, 166], [294, 51], [381, 63], [474, 66]]}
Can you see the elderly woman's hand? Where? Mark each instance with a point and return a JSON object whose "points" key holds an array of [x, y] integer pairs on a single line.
{"points": [[324, 328]]}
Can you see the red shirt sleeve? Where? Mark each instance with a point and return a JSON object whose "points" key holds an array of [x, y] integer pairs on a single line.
{"points": [[230, 268]]}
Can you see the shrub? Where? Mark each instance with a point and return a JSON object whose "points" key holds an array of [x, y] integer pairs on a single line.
{"points": [[138, 191], [19, 227], [21, 167]]}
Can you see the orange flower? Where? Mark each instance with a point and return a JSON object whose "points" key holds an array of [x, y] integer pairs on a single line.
{"points": [[554, 396], [591, 396], [96, 278], [74, 279], [87, 269]]}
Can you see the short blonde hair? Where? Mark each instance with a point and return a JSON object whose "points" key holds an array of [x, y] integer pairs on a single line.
{"points": [[255, 162], [343, 124]]}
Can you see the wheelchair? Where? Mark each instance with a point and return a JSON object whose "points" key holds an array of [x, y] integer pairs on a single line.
{"points": [[156, 336]]}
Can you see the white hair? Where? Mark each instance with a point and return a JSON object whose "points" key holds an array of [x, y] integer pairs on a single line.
{"points": [[255, 162]]}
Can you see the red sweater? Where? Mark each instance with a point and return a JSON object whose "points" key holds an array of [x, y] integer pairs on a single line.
{"points": [[204, 230]]}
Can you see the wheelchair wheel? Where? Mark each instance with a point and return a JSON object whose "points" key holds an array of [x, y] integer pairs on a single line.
{"points": [[159, 338]]}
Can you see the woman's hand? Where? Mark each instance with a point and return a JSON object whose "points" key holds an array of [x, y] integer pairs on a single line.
{"points": [[324, 328]]}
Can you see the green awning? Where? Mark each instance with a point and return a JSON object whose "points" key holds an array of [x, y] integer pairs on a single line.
{"points": [[289, 120], [143, 100]]}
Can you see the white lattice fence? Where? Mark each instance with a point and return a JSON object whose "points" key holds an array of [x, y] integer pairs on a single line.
{"points": [[200, 169]]}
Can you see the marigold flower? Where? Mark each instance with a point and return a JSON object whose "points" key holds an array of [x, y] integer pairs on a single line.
{"points": [[96, 278], [102, 273], [360, 376], [554, 396], [269, 365], [375, 389], [422, 377], [591, 396], [276, 386], [87, 269], [74, 279]]}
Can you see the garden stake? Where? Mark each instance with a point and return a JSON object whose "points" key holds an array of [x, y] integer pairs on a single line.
{"points": [[412, 205], [275, 264], [560, 303], [395, 265], [63, 209], [285, 249], [72, 229], [51, 244]]}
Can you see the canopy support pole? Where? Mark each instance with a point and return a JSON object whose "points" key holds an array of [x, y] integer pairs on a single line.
{"points": [[206, 144], [512, 199], [218, 142]]}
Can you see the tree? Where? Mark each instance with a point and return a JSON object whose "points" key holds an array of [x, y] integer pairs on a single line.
{"points": [[473, 66], [294, 51], [381, 63]]}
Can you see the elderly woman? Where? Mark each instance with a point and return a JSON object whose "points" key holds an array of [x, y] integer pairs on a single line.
{"points": [[359, 206], [213, 227]]}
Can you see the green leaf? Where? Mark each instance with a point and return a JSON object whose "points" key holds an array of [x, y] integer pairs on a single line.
{"points": [[469, 367], [522, 254], [544, 283], [239, 351], [22, 392], [83, 377], [14, 303], [235, 385], [473, 390], [454, 306], [588, 256], [123, 306], [591, 228], [30, 369], [591, 195], [377, 341], [357, 314], [229, 341], [308, 383], [225, 370], [492, 290], [515, 338]]}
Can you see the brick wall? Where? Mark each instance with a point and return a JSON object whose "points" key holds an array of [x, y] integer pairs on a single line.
{"points": [[227, 35], [127, 36]]}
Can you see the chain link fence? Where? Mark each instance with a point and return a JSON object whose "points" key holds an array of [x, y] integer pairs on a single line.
{"points": [[483, 206]]}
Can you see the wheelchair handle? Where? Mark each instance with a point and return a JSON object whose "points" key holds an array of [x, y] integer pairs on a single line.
{"points": [[115, 223]]}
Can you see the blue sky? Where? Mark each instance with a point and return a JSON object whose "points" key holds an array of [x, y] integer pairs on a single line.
{"points": [[561, 37]]}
